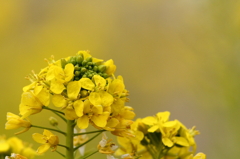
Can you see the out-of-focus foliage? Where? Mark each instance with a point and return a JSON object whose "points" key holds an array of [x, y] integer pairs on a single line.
{"points": [[180, 56]]}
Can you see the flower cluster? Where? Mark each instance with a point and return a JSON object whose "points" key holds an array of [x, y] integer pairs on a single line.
{"points": [[16, 147], [84, 91], [157, 137]]}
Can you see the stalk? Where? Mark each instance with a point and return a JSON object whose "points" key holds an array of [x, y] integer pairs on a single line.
{"points": [[69, 140]]}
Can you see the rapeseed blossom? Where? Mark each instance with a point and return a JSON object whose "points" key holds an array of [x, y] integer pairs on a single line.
{"points": [[48, 139]]}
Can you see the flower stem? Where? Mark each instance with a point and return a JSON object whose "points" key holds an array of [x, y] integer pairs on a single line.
{"points": [[69, 140], [63, 146], [35, 126], [90, 132], [83, 157], [87, 141], [61, 154], [57, 111]]}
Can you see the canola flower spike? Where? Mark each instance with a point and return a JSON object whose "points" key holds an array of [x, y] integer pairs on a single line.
{"points": [[48, 139], [15, 122], [157, 137]]}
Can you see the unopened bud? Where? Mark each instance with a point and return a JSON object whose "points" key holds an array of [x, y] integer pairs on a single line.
{"points": [[63, 62], [79, 59], [102, 68], [83, 93], [89, 59], [53, 121]]}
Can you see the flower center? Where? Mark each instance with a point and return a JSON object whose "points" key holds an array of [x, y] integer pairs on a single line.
{"points": [[85, 68]]}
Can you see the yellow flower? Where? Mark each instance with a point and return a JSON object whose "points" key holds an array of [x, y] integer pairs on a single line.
{"points": [[4, 146], [58, 76], [48, 139], [197, 156], [15, 121], [29, 104], [92, 113], [111, 68]]}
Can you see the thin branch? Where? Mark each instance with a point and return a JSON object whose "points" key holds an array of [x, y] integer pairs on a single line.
{"points": [[44, 107], [90, 132], [49, 129], [60, 154]]}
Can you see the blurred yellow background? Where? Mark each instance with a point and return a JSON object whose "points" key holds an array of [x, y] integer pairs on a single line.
{"points": [[181, 56]]}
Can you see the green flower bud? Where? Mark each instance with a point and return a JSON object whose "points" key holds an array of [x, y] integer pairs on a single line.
{"points": [[77, 73], [95, 68], [84, 76], [89, 63], [83, 93], [101, 68], [77, 68], [89, 67], [76, 78], [63, 63], [73, 60], [79, 59], [53, 121], [89, 59], [104, 75], [83, 69], [90, 75], [84, 62]]}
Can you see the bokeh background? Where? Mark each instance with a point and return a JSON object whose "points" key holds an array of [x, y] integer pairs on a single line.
{"points": [[181, 56]]}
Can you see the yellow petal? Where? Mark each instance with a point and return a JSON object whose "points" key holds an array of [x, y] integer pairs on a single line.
{"points": [[163, 116], [87, 106], [97, 109], [200, 156], [47, 133], [100, 82], [43, 148], [153, 128], [150, 120], [100, 120], [53, 140], [83, 122], [113, 122], [42, 94], [56, 86], [11, 115], [116, 87], [68, 70], [59, 100], [54, 72], [86, 83], [111, 68], [78, 106], [73, 89], [28, 87], [167, 142], [181, 141], [39, 138], [16, 144], [106, 98], [30, 100], [95, 98], [70, 114]]}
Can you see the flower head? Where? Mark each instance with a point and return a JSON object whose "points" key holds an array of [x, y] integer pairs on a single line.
{"points": [[48, 139], [15, 121]]}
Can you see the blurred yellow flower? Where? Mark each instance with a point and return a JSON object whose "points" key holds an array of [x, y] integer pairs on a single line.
{"points": [[48, 139], [15, 156], [29, 104], [111, 68], [15, 121]]}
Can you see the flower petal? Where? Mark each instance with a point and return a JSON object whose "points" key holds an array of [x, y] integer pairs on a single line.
{"points": [[86, 83], [83, 122], [39, 138], [43, 148], [78, 106], [73, 89]]}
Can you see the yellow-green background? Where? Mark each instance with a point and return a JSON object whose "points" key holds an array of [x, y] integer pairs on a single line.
{"points": [[181, 56]]}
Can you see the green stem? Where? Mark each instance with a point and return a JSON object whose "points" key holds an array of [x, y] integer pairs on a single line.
{"points": [[53, 110], [83, 157], [63, 146], [87, 141], [35, 126], [90, 132], [60, 154], [69, 140], [60, 116]]}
